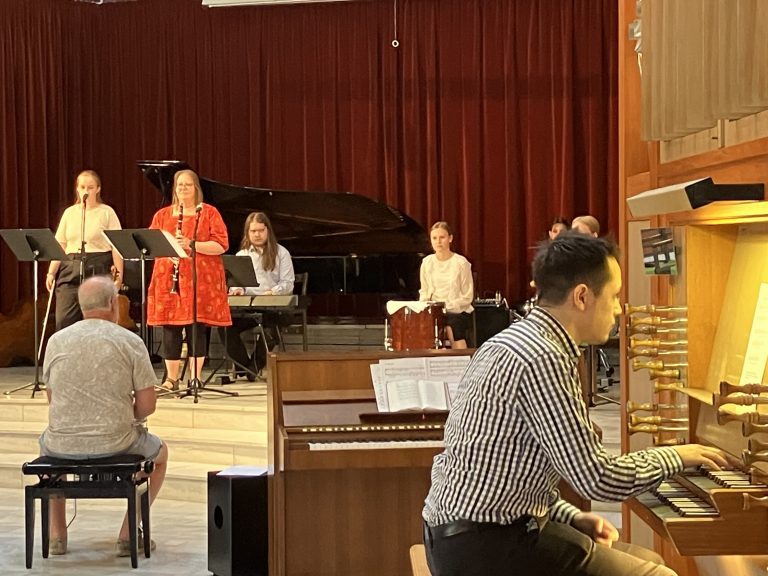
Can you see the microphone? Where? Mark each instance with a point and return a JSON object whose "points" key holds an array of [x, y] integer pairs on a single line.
{"points": [[85, 197], [199, 208]]}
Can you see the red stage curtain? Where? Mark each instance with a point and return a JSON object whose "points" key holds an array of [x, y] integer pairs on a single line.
{"points": [[495, 115]]}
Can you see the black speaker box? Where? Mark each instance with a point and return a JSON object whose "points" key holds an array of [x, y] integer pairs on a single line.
{"points": [[489, 321], [238, 532]]}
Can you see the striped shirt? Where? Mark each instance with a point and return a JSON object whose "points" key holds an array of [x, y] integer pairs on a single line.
{"points": [[519, 425]]}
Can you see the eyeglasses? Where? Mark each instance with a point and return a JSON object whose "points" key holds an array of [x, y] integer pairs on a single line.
{"points": [[185, 185]]}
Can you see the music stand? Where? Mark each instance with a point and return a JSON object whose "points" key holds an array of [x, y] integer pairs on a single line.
{"points": [[239, 273], [33, 245], [144, 244]]}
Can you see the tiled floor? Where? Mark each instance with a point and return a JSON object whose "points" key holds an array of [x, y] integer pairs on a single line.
{"points": [[606, 416], [179, 528]]}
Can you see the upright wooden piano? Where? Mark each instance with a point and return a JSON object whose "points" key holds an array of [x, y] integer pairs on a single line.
{"points": [[346, 490]]}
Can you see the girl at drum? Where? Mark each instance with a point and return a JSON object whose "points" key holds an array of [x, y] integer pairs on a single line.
{"points": [[447, 277]]}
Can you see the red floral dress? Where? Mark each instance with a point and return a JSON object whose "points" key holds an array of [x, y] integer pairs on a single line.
{"points": [[164, 308]]}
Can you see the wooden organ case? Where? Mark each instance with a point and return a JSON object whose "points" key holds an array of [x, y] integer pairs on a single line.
{"points": [[723, 282], [345, 491]]}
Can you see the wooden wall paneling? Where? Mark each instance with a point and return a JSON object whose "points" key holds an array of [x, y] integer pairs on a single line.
{"points": [[746, 129], [707, 261], [348, 521], [741, 163], [690, 145], [633, 151], [738, 291], [682, 565]]}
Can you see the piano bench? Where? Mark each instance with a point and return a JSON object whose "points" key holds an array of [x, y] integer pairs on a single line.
{"points": [[121, 476], [419, 561]]}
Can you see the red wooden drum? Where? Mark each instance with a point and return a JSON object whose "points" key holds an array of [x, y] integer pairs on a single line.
{"points": [[418, 330]]}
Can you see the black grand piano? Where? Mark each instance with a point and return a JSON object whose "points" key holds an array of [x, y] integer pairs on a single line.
{"points": [[358, 252]]}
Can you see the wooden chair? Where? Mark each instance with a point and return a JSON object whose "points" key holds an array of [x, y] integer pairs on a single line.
{"points": [[419, 561], [122, 476]]}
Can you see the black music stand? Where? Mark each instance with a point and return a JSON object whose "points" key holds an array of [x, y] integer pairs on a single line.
{"points": [[33, 245], [240, 273], [144, 244]]}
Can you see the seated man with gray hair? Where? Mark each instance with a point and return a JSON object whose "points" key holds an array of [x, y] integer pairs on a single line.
{"points": [[100, 386]]}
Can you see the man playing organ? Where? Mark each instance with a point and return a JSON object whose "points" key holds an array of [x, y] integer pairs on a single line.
{"points": [[520, 424]]}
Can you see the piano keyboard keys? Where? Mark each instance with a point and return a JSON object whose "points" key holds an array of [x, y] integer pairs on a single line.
{"points": [[367, 428], [733, 479], [375, 445], [683, 501]]}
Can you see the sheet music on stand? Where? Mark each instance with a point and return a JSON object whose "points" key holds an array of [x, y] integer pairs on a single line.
{"points": [[402, 380], [144, 244]]}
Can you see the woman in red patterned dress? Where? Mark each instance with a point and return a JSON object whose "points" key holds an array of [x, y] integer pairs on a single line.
{"points": [[169, 300]]}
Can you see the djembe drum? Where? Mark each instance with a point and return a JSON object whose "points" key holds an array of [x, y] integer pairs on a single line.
{"points": [[412, 330]]}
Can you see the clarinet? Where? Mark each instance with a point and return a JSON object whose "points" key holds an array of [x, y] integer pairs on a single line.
{"points": [[175, 277]]}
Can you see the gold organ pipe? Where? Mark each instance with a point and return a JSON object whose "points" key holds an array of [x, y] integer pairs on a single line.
{"points": [[657, 321], [646, 329], [655, 429], [726, 388], [668, 386], [656, 343], [658, 365], [635, 420], [657, 441], [653, 309], [652, 407]]}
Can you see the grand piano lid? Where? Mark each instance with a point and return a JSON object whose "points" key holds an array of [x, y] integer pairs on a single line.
{"points": [[307, 223]]}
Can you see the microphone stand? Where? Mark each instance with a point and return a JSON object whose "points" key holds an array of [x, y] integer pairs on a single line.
{"points": [[195, 385], [82, 239]]}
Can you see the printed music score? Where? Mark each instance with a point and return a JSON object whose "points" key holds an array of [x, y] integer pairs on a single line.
{"points": [[417, 383], [417, 395], [757, 346]]}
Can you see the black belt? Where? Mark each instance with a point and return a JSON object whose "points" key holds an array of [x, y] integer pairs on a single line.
{"points": [[522, 524]]}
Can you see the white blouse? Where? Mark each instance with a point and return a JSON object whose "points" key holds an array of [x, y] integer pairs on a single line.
{"points": [[97, 219], [448, 281]]}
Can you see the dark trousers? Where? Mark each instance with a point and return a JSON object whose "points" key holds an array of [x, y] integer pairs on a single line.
{"points": [[459, 324], [236, 348], [520, 549], [174, 336], [68, 281]]}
